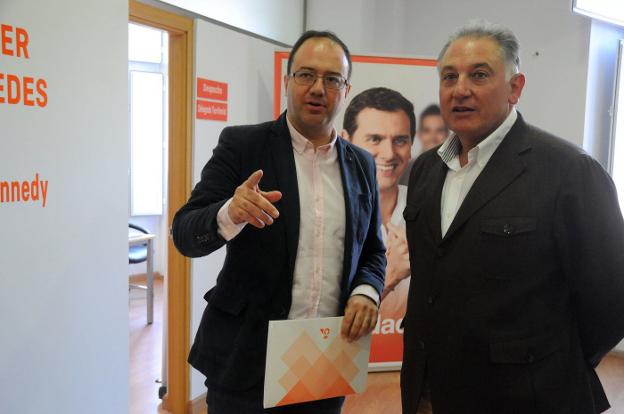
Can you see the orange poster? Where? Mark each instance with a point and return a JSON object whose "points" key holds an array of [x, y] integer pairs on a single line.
{"points": [[387, 337], [390, 95]]}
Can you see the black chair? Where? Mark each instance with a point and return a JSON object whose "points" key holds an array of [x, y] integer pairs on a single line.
{"points": [[138, 253]]}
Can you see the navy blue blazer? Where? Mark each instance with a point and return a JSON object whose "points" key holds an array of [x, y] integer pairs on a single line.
{"points": [[255, 283]]}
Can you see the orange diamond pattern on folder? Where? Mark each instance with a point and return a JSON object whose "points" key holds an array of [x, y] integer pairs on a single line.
{"points": [[320, 376], [340, 387], [345, 365], [301, 367], [298, 393], [288, 380], [336, 348], [351, 349], [303, 346], [314, 374]]}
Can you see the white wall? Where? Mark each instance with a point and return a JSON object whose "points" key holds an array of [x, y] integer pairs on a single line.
{"points": [[554, 96], [280, 20], [246, 65], [63, 267]]}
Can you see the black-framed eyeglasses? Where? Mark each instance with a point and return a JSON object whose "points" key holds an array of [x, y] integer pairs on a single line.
{"points": [[307, 78]]}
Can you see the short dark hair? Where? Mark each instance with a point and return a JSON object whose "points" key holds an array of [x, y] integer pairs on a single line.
{"points": [[432, 109], [319, 34], [382, 99]]}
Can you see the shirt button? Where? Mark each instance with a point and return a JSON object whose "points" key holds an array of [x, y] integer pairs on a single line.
{"points": [[508, 229]]}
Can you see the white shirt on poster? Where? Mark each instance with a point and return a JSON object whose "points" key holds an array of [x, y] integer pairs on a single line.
{"points": [[395, 302]]}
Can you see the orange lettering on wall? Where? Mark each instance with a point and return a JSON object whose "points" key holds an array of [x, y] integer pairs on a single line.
{"points": [[18, 89], [28, 91], [25, 190], [22, 191], [13, 90], [6, 39], [42, 100], [10, 36], [21, 42], [15, 191]]}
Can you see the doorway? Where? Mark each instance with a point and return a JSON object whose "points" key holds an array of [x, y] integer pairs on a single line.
{"points": [[177, 280]]}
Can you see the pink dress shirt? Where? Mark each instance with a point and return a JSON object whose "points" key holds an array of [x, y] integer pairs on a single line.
{"points": [[318, 275]]}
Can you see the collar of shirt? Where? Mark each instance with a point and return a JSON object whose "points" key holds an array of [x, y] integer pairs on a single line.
{"points": [[303, 146], [449, 151]]}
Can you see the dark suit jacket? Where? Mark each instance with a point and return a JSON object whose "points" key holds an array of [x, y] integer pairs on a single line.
{"points": [[515, 306], [255, 283]]}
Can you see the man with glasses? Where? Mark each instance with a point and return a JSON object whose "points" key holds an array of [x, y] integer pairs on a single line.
{"points": [[298, 209]]}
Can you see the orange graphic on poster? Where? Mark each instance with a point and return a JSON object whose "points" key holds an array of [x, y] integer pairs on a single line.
{"points": [[412, 79], [387, 337]]}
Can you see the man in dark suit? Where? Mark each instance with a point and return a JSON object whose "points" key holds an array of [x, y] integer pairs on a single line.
{"points": [[516, 245], [310, 247]]}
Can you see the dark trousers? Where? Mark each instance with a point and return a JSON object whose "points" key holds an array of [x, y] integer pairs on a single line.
{"points": [[228, 402], [424, 407]]}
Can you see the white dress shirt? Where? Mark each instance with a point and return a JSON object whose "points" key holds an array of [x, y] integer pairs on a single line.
{"points": [[318, 269], [459, 180]]}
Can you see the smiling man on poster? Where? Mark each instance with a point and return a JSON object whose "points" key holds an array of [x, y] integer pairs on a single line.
{"points": [[307, 245], [382, 121]]}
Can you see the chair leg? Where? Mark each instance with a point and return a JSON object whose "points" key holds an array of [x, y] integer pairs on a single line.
{"points": [[133, 286]]}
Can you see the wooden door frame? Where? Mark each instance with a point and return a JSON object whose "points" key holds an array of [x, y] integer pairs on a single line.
{"points": [[180, 30]]}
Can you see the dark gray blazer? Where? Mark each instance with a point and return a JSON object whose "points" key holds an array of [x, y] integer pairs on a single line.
{"points": [[255, 283], [511, 311]]}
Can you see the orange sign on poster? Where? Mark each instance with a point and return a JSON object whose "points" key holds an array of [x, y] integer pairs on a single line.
{"points": [[216, 111]]}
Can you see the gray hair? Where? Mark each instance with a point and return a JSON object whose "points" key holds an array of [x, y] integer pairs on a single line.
{"points": [[509, 47]]}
